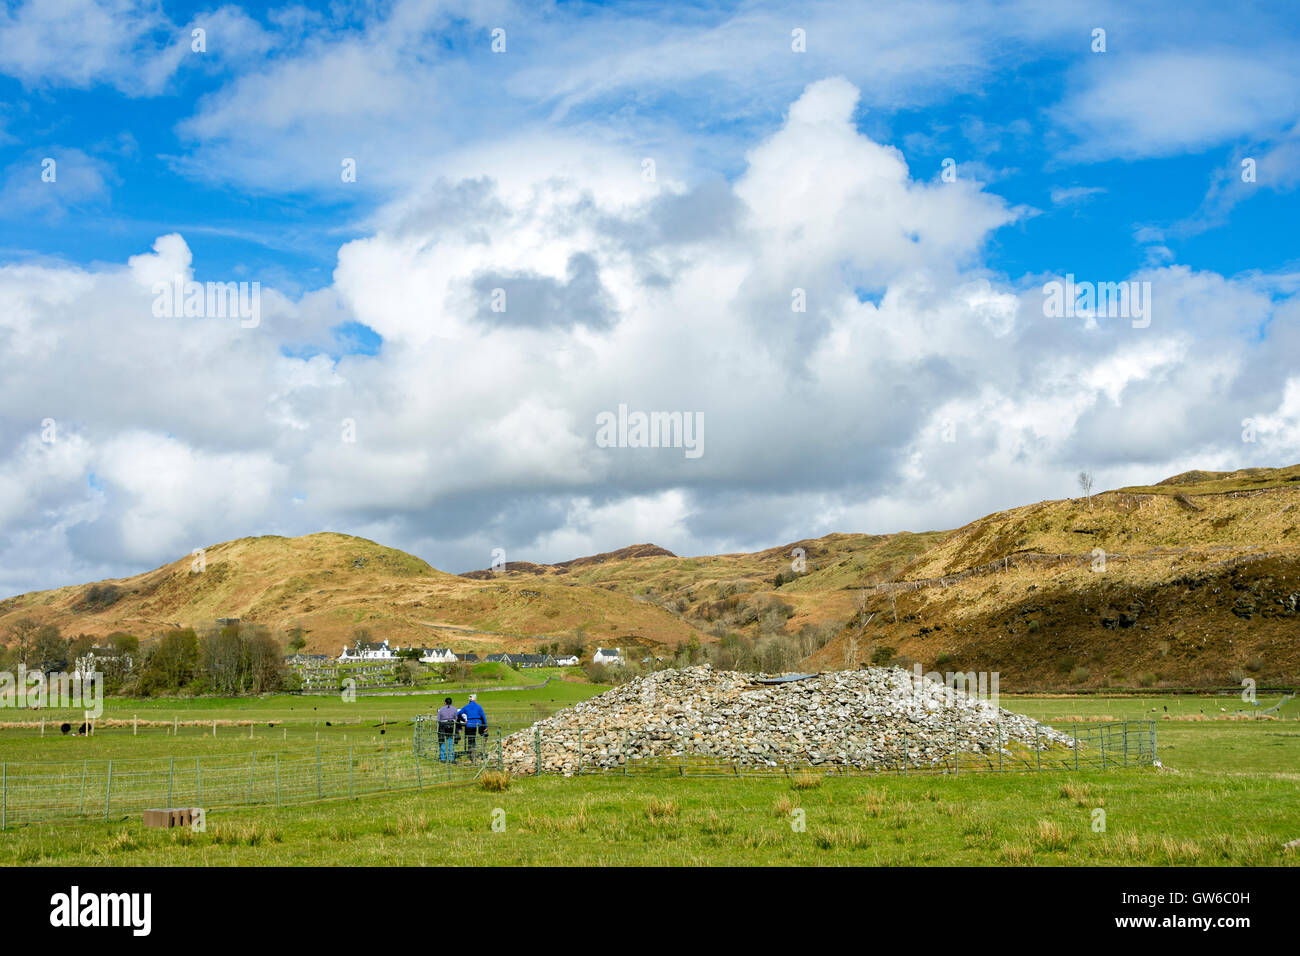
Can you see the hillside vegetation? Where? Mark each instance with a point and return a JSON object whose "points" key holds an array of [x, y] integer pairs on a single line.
{"points": [[332, 584], [1194, 580]]}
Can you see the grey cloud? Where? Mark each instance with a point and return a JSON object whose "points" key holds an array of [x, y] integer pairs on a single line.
{"points": [[541, 302]]}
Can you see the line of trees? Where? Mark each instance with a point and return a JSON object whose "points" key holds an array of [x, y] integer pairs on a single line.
{"points": [[773, 650], [232, 660]]}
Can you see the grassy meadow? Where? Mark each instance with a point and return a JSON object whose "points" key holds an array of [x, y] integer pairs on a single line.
{"points": [[1228, 794], [261, 724]]}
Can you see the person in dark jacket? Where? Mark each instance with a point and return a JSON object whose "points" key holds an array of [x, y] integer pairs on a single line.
{"points": [[475, 724], [447, 714]]}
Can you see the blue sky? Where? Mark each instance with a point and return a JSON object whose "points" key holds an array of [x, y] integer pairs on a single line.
{"points": [[1003, 125], [522, 169]]}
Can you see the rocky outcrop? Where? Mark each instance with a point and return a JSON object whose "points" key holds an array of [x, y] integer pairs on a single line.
{"points": [[877, 717]]}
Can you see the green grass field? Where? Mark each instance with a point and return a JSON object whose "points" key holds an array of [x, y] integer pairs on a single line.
{"points": [[281, 721], [1228, 794]]}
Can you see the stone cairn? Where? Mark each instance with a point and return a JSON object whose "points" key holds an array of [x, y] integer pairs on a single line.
{"points": [[877, 718]]}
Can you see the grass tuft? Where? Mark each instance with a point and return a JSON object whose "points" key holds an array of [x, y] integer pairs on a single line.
{"points": [[656, 811], [1050, 838]]}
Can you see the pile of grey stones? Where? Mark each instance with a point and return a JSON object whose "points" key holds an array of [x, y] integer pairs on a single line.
{"points": [[876, 718]]}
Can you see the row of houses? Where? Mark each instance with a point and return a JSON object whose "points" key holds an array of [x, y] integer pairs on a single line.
{"points": [[533, 660], [381, 651]]}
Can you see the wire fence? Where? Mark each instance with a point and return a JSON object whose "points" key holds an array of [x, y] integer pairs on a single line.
{"points": [[313, 760], [41, 791], [113, 789], [235, 731]]}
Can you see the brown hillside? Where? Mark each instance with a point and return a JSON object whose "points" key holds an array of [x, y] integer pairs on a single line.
{"points": [[331, 584], [1192, 581], [1195, 584]]}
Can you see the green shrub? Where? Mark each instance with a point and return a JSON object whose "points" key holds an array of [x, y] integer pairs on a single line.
{"points": [[99, 596]]}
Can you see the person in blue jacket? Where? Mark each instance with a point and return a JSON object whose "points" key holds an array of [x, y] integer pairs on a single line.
{"points": [[475, 724]]}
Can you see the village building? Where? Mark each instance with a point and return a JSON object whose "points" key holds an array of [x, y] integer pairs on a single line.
{"points": [[368, 651], [522, 660]]}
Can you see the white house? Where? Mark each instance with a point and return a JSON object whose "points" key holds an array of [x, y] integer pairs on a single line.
{"points": [[604, 655], [438, 655], [367, 651], [570, 661]]}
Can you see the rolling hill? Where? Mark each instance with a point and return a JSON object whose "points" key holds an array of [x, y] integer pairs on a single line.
{"points": [[331, 584], [1194, 580]]}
